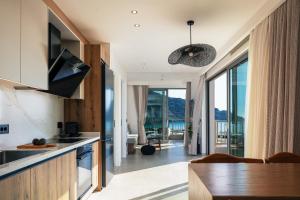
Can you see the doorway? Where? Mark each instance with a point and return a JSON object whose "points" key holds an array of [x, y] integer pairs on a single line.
{"points": [[166, 113]]}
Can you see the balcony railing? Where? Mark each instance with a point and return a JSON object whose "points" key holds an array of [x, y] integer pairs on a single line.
{"points": [[236, 136], [221, 128], [172, 126], [176, 125]]}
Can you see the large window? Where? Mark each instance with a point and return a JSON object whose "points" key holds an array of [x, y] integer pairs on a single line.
{"points": [[226, 105], [165, 113]]}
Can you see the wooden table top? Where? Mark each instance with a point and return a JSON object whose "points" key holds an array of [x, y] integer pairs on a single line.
{"points": [[274, 181]]}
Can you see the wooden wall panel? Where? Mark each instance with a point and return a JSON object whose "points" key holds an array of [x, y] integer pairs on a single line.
{"points": [[105, 52], [92, 90]]}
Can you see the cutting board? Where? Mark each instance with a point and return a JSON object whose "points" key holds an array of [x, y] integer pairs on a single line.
{"points": [[32, 146]]}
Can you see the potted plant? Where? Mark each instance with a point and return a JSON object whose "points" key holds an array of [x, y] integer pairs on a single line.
{"points": [[190, 134]]}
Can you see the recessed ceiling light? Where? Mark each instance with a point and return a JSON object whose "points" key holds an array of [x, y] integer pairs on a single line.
{"points": [[137, 25], [134, 12]]}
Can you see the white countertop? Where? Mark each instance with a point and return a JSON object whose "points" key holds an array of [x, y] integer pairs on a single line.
{"points": [[15, 166]]}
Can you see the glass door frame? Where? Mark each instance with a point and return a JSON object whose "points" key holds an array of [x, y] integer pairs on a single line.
{"points": [[226, 70], [165, 116], [164, 105]]}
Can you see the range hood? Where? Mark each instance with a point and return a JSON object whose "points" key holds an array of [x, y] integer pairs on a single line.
{"points": [[66, 74]]}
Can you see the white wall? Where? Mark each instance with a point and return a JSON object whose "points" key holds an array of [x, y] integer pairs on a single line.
{"points": [[30, 114], [120, 112], [124, 118], [117, 117]]}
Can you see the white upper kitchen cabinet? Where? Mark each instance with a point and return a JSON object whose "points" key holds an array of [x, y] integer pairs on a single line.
{"points": [[34, 44], [10, 40]]}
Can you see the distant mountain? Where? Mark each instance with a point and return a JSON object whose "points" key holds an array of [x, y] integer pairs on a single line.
{"points": [[220, 114], [176, 108]]}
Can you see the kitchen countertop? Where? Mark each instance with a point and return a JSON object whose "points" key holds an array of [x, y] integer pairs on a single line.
{"points": [[61, 148]]}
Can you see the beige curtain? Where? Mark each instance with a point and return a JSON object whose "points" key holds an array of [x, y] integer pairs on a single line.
{"points": [[274, 106], [257, 86], [187, 113], [197, 115], [141, 98]]}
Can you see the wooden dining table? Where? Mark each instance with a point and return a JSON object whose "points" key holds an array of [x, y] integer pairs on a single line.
{"points": [[244, 181]]}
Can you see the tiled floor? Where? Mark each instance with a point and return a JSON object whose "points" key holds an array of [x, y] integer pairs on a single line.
{"points": [[160, 176]]}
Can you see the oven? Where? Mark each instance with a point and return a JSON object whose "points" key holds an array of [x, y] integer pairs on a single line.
{"points": [[84, 169]]}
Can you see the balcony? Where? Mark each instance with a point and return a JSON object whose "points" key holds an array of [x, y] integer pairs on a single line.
{"points": [[174, 130]]}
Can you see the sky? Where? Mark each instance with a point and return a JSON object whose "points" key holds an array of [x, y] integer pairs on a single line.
{"points": [[221, 90], [177, 93]]}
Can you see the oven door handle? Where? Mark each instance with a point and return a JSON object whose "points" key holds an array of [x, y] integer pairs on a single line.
{"points": [[84, 155]]}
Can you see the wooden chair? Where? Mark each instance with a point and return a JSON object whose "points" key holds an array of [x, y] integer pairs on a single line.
{"points": [[225, 158], [284, 157]]}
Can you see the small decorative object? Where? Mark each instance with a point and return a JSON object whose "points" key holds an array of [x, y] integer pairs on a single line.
{"points": [[148, 149], [41, 141], [195, 55]]}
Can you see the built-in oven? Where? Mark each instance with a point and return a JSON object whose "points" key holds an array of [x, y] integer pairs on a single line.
{"points": [[84, 169]]}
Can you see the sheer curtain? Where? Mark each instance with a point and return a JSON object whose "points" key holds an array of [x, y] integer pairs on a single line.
{"points": [[197, 114], [258, 84], [141, 98], [187, 113], [274, 106]]}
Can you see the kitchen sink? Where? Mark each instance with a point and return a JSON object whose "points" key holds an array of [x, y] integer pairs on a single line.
{"points": [[13, 155], [65, 140]]}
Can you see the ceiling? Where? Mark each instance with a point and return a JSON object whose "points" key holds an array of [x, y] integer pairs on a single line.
{"points": [[163, 27]]}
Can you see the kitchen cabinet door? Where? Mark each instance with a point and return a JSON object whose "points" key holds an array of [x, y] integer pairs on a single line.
{"points": [[43, 181], [67, 177], [96, 175], [16, 187], [34, 44], [10, 40]]}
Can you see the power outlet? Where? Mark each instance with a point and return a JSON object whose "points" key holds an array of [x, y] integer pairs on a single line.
{"points": [[4, 128]]}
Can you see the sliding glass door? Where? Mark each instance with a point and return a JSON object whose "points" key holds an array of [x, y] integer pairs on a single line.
{"points": [[165, 113], [226, 106], [238, 85], [156, 111]]}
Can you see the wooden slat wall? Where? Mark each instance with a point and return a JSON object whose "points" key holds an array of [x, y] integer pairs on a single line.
{"points": [[92, 90]]}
